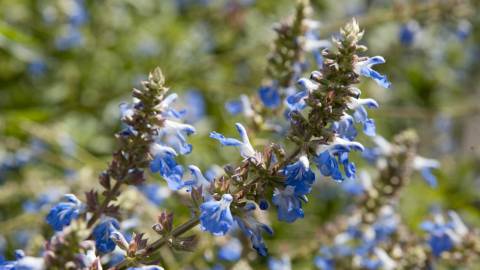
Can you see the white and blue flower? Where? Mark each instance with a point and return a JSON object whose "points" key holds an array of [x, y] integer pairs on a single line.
{"points": [[23, 262], [444, 236], [300, 176], [364, 68], [246, 149], [425, 166], [408, 32], [289, 205], [296, 101], [165, 164], [102, 234], [198, 181], [62, 214], [331, 156], [240, 106], [360, 113], [345, 128], [174, 134], [270, 96], [324, 263], [253, 229], [215, 216], [166, 107]]}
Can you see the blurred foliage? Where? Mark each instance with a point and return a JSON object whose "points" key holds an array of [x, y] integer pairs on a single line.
{"points": [[65, 68]]}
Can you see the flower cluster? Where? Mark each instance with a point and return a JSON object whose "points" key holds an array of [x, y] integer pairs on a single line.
{"points": [[286, 63], [368, 237], [322, 135]]}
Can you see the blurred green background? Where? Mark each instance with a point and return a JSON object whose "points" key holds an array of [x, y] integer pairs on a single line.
{"points": [[66, 65]]}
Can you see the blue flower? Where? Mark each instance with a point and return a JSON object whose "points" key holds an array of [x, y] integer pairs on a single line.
{"points": [[171, 133], [63, 213], [348, 167], [254, 229], [408, 32], [37, 68], [300, 176], [364, 68], [280, 264], [165, 164], [77, 13], [198, 181], [174, 135], [239, 106], [324, 263], [289, 206], [157, 149], [155, 193], [231, 251], [345, 128], [328, 165], [166, 107], [440, 243], [334, 154], [269, 96], [102, 235], [215, 216], [296, 101], [444, 235], [464, 29], [386, 223], [246, 149], [425, 166], [439, 239], [115, 257], [263, 204], [361, 116], [87, 259]]}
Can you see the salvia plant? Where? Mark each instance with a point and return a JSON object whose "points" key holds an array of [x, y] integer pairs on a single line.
{"points": [[311, 128]]}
